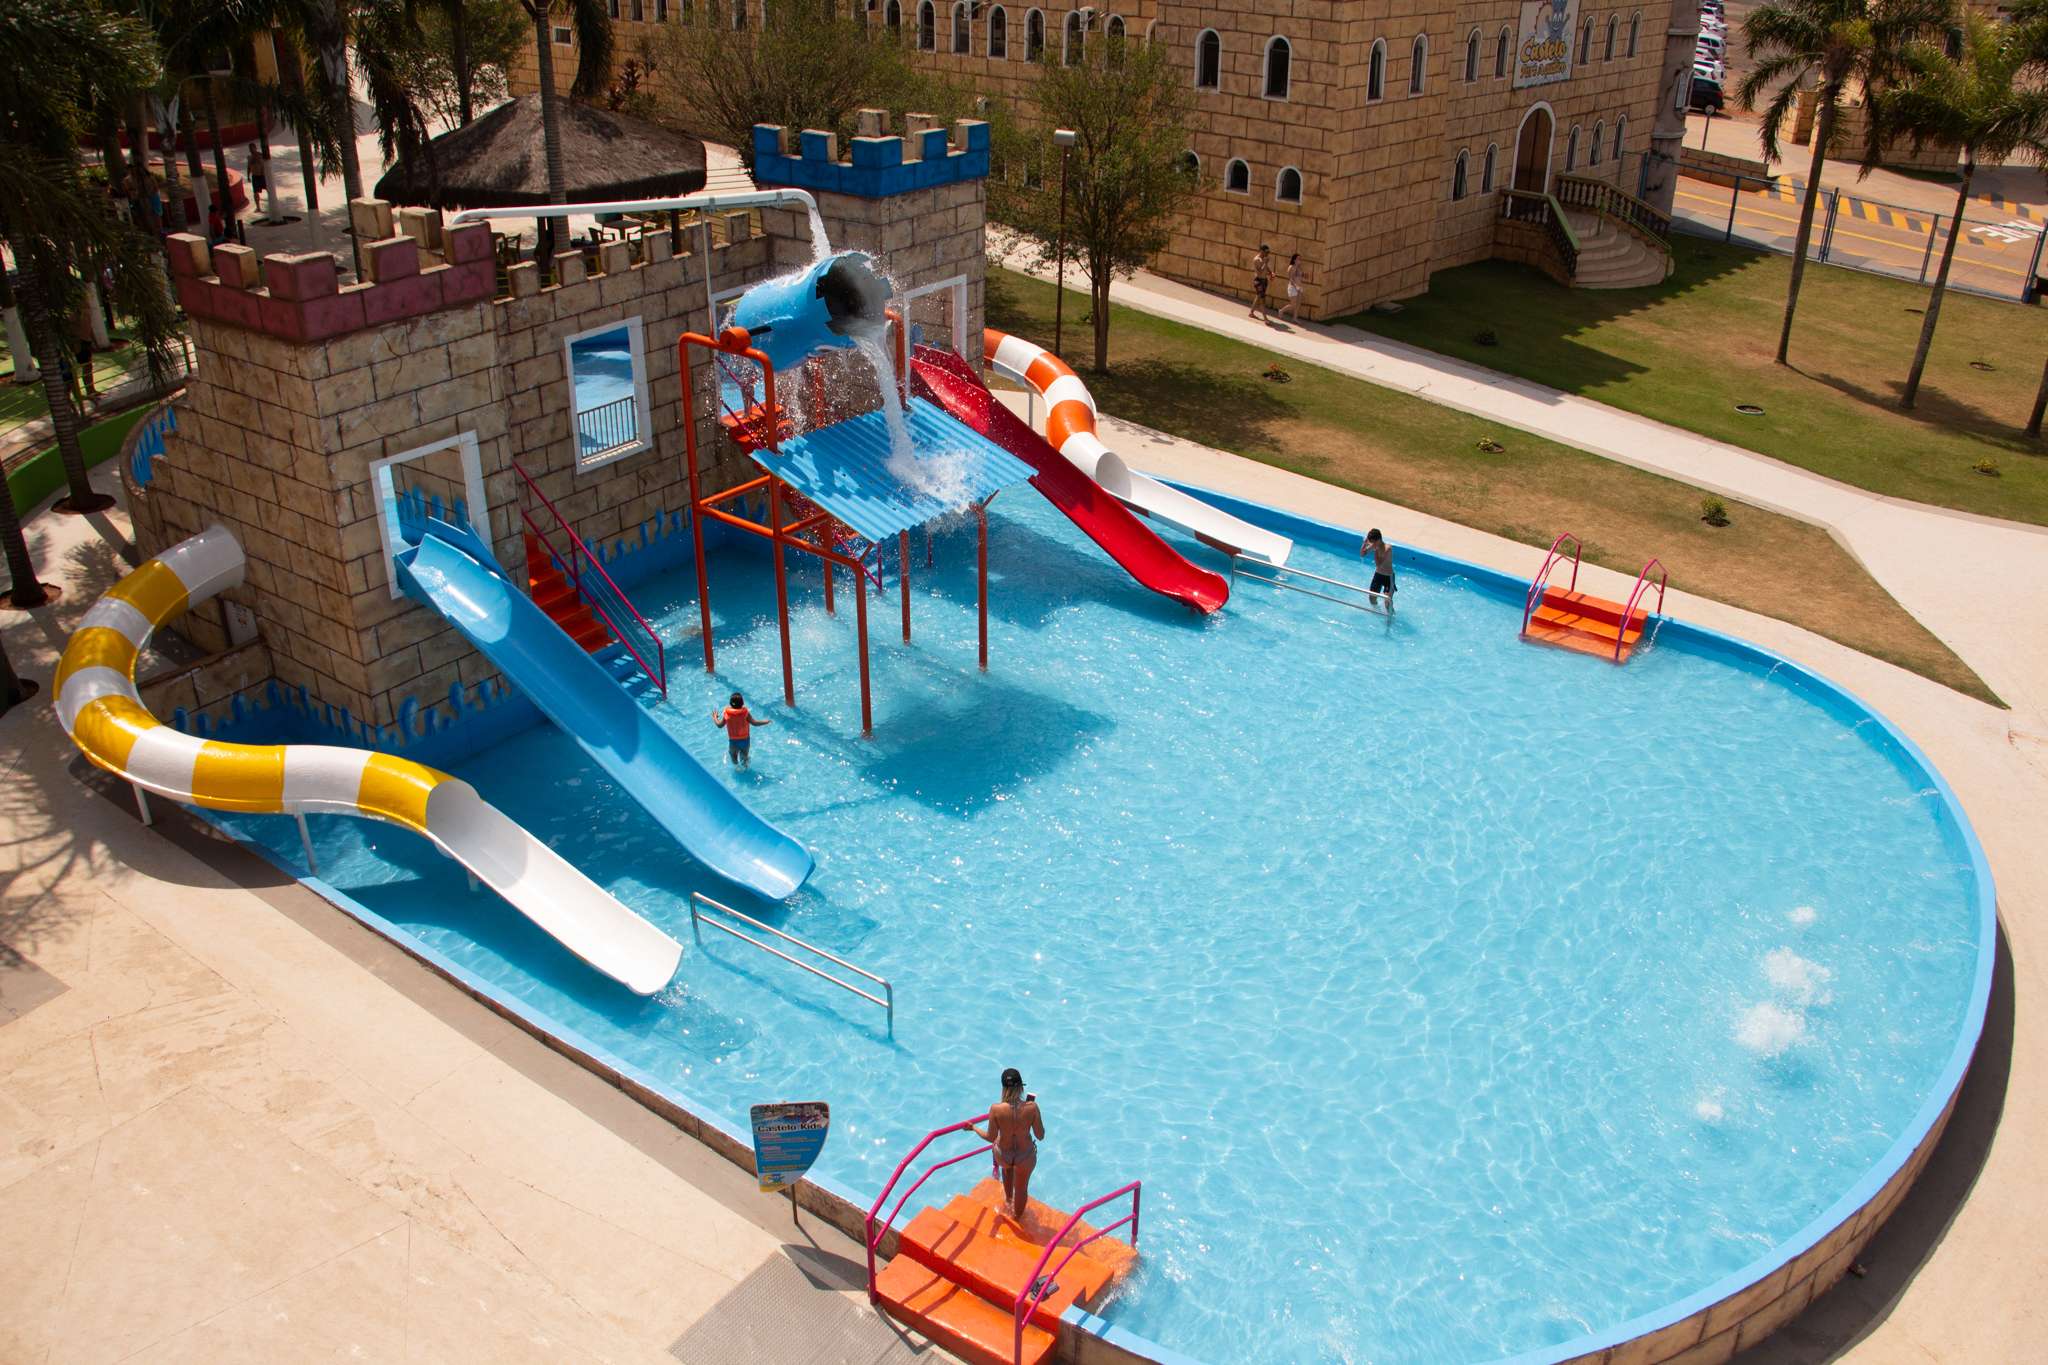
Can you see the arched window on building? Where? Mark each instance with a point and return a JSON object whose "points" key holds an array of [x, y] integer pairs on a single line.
{"points": [[1287, 189], [1635, 29], [1073, 42], [1114, 28], [1418, 63], [1208, 60], [1376, 71], [1237, 177], [1486, 168], [963, 31], [927, 27], [1190, 164], [1034, 35], [1279, 67], [1585, 52], [739, 13], [1472, 56], [1501, 47], [1593, 147], [1571, 150], [892, 15], [1613, 21], [998, 32], [1620, 136], [1458, 177]]}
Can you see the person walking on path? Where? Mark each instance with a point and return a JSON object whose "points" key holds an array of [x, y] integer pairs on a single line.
{"points": [[1262, 277], [1295, 279], [259, 180]]}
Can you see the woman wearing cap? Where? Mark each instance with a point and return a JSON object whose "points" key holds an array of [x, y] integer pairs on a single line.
{"points": [[1014, 1127]]}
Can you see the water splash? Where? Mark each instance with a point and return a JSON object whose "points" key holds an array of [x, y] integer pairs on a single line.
{"points": [[1767, 1029], [1802, 914], [820, 248], [1709, 1110], [1798, 979]]}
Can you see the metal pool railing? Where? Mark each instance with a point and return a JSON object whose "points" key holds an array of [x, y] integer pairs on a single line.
{"points": [[1367, 606], [608, 426], [887, 1000]]}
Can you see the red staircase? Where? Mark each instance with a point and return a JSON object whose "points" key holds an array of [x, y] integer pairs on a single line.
{"points": [[1581, 622], [990, 1288], [554, 594]]}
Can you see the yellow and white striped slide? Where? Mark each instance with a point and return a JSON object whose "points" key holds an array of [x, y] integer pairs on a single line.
{"points": [[100, 710], [1070, 429]]}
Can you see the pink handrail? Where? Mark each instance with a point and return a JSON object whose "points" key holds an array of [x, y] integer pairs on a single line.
{"points": [[1040, 1284], [580, 553], [1542, 578], [1642, 586], [874, 1238]]}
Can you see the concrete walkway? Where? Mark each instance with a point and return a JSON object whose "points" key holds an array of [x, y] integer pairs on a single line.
{"points": [[1980, 585]]}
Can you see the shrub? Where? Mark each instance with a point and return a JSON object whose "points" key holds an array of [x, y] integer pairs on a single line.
{"points": [[1713, 511], [1987, 466]]}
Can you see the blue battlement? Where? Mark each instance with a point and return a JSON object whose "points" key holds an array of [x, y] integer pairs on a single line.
{"points": [[877, 167]]}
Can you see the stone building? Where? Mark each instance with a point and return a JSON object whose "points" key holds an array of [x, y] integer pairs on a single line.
{"points": [[1374, 138], [318, 413]]}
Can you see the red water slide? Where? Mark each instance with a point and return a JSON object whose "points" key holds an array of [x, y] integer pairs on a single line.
{"points": [[949, 381]]}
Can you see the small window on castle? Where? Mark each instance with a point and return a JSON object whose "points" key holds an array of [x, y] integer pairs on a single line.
{"points": [[1458, 178], [608, 390], [1034, 35], [1571, 150], [1500, 54], [739, 13], [1418, 64], [1585, 52], [1376, 71], [1472, 56], [892, 16], [564, 37], [998, 33], [1620, 135], [1613, 22], [1208, 61], [1486, 168], [1593, 148], [639, 12], [963, 31], [1635, 29], [1191, 165], [660, 11], [1072, 40], [1114, 28], [1237, 177], [927, 27], [1287, 189], [1279, 67]]}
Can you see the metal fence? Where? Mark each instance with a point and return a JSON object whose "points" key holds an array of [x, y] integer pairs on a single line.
{"points": [[607, 427]]}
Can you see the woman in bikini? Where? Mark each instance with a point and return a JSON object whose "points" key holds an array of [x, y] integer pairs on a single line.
{"points": [[1014, 1127]]}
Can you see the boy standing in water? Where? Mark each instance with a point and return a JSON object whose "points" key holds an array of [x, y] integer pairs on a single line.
{"points": [[1382, 556], [738, 723]]}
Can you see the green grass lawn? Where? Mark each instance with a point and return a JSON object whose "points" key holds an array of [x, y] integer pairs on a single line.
{"points": [[1688, 350], [37, 476], [23, 403], [1194, 384]]}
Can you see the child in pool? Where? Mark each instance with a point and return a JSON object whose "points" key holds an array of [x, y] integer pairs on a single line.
{"points": [[1382, 556], [738, 723]]}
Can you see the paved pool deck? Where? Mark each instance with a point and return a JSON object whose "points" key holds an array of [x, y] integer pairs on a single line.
{"points": [[234, 1125]]}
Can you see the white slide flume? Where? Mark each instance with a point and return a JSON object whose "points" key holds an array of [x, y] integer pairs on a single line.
{"points": [[101, 711], [1070, 429]]}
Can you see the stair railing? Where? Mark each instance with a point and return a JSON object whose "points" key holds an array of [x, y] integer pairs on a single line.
{"points": [[1612, 201], [595, 588], [1642, 587], [874, 1235], [1541, 581], [1041, 1283]]}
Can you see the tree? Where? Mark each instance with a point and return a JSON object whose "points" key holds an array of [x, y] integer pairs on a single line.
{"points": [[593, 27], [2031, 18], [57, 59], [1833, 43], [1126, 178], [465, 55], [14, 689], [1974, 99]]}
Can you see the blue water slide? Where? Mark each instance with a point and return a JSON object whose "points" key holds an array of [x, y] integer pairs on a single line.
{"points": [[453, 572]]}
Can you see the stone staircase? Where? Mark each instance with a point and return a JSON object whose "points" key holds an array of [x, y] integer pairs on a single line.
{"points": [[1611, 256]]}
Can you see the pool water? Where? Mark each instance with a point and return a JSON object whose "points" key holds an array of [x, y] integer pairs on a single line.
{"points": [[1452, 997]]}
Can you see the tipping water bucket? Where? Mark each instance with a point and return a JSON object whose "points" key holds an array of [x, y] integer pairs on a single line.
{"points": [[837, 299]]}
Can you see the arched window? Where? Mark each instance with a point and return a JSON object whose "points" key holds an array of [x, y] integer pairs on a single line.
{"points": [[1585, 52], [963, 31], [892, 15], [1191, 165], [1612, 21], [1486, 168], [1287, 189], [1571, 150], [1034, 35], [1237, 177], [1458, 178], [1620, 135], [1279, 67], [1376, 71], [739, 13], [1593, 147], [1208, 60], [1115, 27], [998, 33], [1072, 41], [1472, 55], [1418, 63], [1500, 54], [927, 27], [1635, 29]]}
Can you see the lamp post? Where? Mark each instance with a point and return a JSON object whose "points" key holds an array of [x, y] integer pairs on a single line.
{"points": [[1064, 139]]}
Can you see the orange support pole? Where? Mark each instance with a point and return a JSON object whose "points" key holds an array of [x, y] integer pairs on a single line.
{"points": [[867, 714], [903, 580], [781, 591], [830, 574], [981, 575]]}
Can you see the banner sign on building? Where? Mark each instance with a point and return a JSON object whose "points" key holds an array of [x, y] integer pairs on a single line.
{"points": [[787, 1138], [1543, 50]]}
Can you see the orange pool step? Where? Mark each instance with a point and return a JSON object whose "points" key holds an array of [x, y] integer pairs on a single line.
{"points": [[956, 1317], [1586, 624]]}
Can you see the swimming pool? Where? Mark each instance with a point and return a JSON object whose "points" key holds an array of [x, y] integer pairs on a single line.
{"points": [[1453, 998]]}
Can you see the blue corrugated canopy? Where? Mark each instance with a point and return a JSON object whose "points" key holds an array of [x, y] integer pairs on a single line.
{"points": [[844, 468]]}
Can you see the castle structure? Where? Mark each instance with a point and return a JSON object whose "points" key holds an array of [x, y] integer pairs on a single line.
{"points": [[1374, 137]]}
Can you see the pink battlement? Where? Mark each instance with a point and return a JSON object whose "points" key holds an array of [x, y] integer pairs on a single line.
{"points": [[301, 298]]}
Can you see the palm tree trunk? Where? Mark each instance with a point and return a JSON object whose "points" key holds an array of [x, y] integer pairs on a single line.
{"points": [[309, 176], [458, 43], [1098, 293], [2040, 406], [1823, 129], [188, 133], [551, 135], [14, 689], [334, 61], [25, 369], [138, 156], [27, 590], [1948, 255], [174, 194], [220, 156], [45, 337]]}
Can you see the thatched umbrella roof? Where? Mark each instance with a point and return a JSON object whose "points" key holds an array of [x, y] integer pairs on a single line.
{"points": [[499, 160]]}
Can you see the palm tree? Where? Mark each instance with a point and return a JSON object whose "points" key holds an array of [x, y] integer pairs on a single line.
{"points": [[1834, 43], [593, 24], [1966, 96], [57, 59], [14, 689]]}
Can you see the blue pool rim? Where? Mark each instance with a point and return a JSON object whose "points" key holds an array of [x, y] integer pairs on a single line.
{"points": [[1832, 697]]}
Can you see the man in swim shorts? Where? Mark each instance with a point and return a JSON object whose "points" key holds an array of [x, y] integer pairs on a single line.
{"points": [[738, 723], [1382, 556], [1262, 277]]}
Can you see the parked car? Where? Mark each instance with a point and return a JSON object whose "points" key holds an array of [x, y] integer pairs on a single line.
{"points": [[1706, 97], [1712, 49]]}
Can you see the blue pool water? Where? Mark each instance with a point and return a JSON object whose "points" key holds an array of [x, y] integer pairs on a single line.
{"points": [[1452, 997]]}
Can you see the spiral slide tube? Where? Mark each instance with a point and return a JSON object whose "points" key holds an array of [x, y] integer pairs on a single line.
{"points": [[101, 711], [1070, 429]]}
